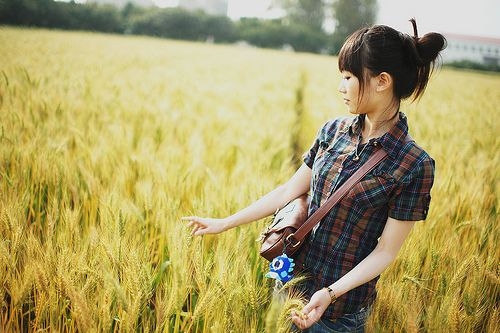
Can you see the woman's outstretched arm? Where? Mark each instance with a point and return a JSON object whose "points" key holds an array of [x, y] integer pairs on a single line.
{"points": [[297, 185]]}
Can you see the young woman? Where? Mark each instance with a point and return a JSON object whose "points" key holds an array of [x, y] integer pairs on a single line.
{"points": [[356, 241]]}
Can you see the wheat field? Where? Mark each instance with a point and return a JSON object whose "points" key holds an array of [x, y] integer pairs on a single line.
{"points": [[106, 141]]}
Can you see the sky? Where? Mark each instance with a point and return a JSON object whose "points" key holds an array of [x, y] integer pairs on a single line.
{"points": [[476, 18]]}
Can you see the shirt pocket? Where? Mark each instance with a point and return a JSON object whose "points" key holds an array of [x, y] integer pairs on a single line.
{"points": [[373, 191], [322, 148], [321, 159]]}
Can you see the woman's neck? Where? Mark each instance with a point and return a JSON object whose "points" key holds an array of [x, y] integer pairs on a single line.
{"points": [[376, 125]]}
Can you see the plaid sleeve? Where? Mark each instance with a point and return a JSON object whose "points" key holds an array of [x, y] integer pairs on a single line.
{"points": [[323, 138], [310, 155], [412, 200]]}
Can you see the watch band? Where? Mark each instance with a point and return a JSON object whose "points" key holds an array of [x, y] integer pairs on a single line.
{"points": [[332, 294]]}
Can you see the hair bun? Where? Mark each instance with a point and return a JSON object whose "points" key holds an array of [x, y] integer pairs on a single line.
{"points": [[429, 46]]}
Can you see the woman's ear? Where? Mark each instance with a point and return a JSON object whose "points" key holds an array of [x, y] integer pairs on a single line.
{"points": [[384, 82]]}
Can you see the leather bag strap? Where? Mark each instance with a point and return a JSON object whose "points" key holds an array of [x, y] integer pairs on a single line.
{"points": [[296, 238]]}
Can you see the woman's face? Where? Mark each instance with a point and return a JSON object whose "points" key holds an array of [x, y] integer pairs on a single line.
{"points": [[350, 89]]}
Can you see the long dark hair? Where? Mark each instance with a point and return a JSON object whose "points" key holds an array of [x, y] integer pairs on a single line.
{"points": [[408, 59]]}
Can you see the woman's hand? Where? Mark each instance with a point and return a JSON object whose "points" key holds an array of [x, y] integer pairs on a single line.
{"points": [[203, 226], [313, 310]]}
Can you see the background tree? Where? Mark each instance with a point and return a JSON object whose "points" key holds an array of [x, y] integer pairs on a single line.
{"points": [[301, 28], [221, 28], [309, 13], [350, 15]]}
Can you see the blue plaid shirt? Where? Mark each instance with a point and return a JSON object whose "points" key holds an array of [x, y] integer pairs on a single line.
{"points": [[399, 187]]}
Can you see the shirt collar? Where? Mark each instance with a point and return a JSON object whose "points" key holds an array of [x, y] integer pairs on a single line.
{"points": [[391, 141]]}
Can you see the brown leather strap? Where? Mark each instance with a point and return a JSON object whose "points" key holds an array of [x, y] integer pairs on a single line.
{"points": [[297, 237]]}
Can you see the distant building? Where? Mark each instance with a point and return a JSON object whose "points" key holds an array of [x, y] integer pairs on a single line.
{"points": [[483, 50], [212, 7]]}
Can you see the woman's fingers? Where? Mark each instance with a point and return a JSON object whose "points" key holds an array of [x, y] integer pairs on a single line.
{"points": [[198, 230], [310, 314], [196, 224], [193, 221], [204, 225], [301, 320]]}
